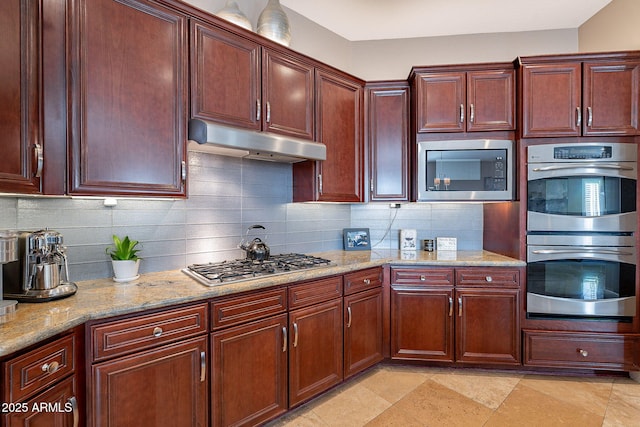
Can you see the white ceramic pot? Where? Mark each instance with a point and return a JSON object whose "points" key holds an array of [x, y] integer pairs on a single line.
{"points": [[125, 270]]}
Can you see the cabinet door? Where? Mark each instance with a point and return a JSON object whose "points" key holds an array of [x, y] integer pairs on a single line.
{"points": [[57, 406], [387, 130], [339, 119], [440, 102], [287, 86], [362, 331], [315, 344], [225, 77], [611, 95], [163, 386], [249, 372], [129, 112], [488, 327], [422, 323], [490, 100], [551, 100], [20, 118]]}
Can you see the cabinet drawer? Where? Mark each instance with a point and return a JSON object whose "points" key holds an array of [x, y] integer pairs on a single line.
{"points": [[141, 332], [578, 350], [246, 308], [314, 292], [362, 280], [29, 373], [488, 277], [422, 276]]}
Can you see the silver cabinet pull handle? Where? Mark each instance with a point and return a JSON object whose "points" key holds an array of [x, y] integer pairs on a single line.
{"points": [[578, 117], [50, 368], [472, 113], [320, 183], [461, 113], [583, 353], [423, 278], [157, 331], [76, 414], [589, 116], [367, 281], [39, 160], [295, 334], [258, 110], [268, 112], [450, 306], [284, 339], [183, 174], [459, 306], [489, 279], [203, 366], [349, 317]]}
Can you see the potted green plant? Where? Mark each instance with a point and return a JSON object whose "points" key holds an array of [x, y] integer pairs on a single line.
{"points": [[124, 258]]}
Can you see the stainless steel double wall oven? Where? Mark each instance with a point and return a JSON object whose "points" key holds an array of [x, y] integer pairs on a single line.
{"points": [[581, 227]]}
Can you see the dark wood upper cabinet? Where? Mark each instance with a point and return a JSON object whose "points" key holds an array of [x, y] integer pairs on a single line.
{"points": [[20, 116], [464, 99], [440, 102], [580, 95], [491, 100], [236, 81], [611, 95], [288, 93], [32, 97], [551, 100], [387, 136], [225, 77], [339, 125], [128, 98]]}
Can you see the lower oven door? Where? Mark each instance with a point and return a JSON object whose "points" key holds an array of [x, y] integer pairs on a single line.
{"points": [[581, 281]]}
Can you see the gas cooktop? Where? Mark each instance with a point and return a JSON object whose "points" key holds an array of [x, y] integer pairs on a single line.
{"points": [[225, 272]]}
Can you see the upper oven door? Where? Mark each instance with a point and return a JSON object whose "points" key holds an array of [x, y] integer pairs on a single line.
{"points": [[582, 196]]}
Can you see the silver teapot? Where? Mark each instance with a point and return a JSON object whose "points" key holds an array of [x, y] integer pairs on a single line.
{"points": [[256, 249]]}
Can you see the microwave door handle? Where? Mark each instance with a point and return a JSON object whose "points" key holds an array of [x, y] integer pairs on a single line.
{"points": [[582, 166], [580, 251]]}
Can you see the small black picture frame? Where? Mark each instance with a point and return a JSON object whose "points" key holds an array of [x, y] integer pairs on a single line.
{"points": [[356, 239]]}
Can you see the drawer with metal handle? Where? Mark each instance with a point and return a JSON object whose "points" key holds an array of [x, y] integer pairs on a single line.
{"points": [[36, 370], [118, 337], [362, 280]]}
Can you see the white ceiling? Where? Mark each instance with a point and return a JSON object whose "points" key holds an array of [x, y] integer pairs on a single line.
{"points": [[358, 20]]}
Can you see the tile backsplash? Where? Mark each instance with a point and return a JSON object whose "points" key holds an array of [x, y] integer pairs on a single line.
{"points": [[226, 195]]}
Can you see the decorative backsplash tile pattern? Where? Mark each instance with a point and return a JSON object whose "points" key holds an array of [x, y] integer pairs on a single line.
{"points": [[226, 195]]}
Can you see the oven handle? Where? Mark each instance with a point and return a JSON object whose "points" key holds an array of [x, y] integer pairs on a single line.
{"points": [[580, 251], [582, 166]]}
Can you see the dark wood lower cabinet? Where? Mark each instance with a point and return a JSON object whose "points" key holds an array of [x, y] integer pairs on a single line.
{"points": [[488, 330], [315, 350], [165, 386], [474, 324], [249, 372], [422, 324], [362, 331], [55, 407]]}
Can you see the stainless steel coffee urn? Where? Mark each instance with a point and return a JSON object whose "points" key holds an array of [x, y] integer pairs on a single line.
{"points": [[41, 272]]}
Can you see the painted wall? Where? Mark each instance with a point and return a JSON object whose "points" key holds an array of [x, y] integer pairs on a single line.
{"points": [[393, 59], [615, 27]]}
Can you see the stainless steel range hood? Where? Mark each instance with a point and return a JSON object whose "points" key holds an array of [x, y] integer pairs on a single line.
{"points": [[205, 136]]}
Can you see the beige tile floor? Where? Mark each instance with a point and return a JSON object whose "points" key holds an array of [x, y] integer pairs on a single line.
{"points": [[393, 395]]}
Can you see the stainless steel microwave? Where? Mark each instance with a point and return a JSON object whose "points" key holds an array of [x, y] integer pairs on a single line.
{"points": [[480, 169]]}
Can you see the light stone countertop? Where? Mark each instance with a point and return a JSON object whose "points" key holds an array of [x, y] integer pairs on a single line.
{"points": [[101, 298]]}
